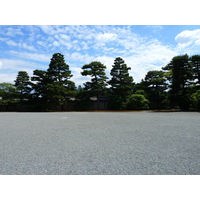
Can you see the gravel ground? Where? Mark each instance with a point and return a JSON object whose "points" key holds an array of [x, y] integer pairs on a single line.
{"points": [[118, 143]]}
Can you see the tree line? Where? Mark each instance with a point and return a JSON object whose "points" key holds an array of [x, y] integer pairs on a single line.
{"points": [[175, 86]]}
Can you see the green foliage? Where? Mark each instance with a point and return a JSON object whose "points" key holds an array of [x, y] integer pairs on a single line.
{"points": [[195, 62], [8, 93], [140, 92], [23, 85], [40, 77], [176, 86], [7, 90], [96, 71], [137, 102], [58, 86], [155, 86], [195, 100], [58, 70], [121, 83], [97, 85], [156, 79], [181, 75]]}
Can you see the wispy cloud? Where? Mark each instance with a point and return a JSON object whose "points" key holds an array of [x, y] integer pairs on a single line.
{"points": [[11, 43], [10, 67], [106, 37], [17, 65], [21, 45], [31, 56], [153, 57], [12, 31], [31, 47]]}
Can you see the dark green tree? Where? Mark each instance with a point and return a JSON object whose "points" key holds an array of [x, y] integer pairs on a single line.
{"points": [[195, 61], [180, 74], [155, 88], [40, 82], [82, 99], [23, 85], [97, 85], [121, 84], [59, 87]]}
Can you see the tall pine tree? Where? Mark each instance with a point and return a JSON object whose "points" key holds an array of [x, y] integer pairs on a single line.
{"points": [[195, 61], [59, 88], [97, 85], [180, 75], [121, 84], [23, 85]]}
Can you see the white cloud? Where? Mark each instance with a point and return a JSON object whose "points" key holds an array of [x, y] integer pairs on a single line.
{"points": [[77, 77], [56, 43], [156, 52], [81, 32], [12, 31], [155, 28], [107, 61], [65, 37], [63, 40], [18, 65], [84, 44], [41, 43], [32, 56], [84, 58], [152, 57], [47, 29], [11, 67], [68, 45], [8, 77], [106, 37], [11, 43], [139, 53], [20, 45], [26, 46], [1, 64], [197, 42], [186, 38], [2, 39]]}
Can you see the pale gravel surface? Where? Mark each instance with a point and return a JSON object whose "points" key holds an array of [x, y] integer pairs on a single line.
{"points": [[100, 143]]}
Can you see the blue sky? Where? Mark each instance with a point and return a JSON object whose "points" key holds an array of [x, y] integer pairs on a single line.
{"points": [[143, 48]]}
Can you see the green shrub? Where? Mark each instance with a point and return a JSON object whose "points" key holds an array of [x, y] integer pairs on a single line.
{"points": [[195, 100], [137, 102]]}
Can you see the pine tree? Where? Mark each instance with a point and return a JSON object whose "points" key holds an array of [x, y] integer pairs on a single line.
{"points": [[23, 85], [155, 86], [195, 61], [121, 83], [40, 77], [59, 88], [180, 76], [97, 85]]}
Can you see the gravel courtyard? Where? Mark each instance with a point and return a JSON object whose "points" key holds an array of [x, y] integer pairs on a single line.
{"points": [[118, 143]]}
